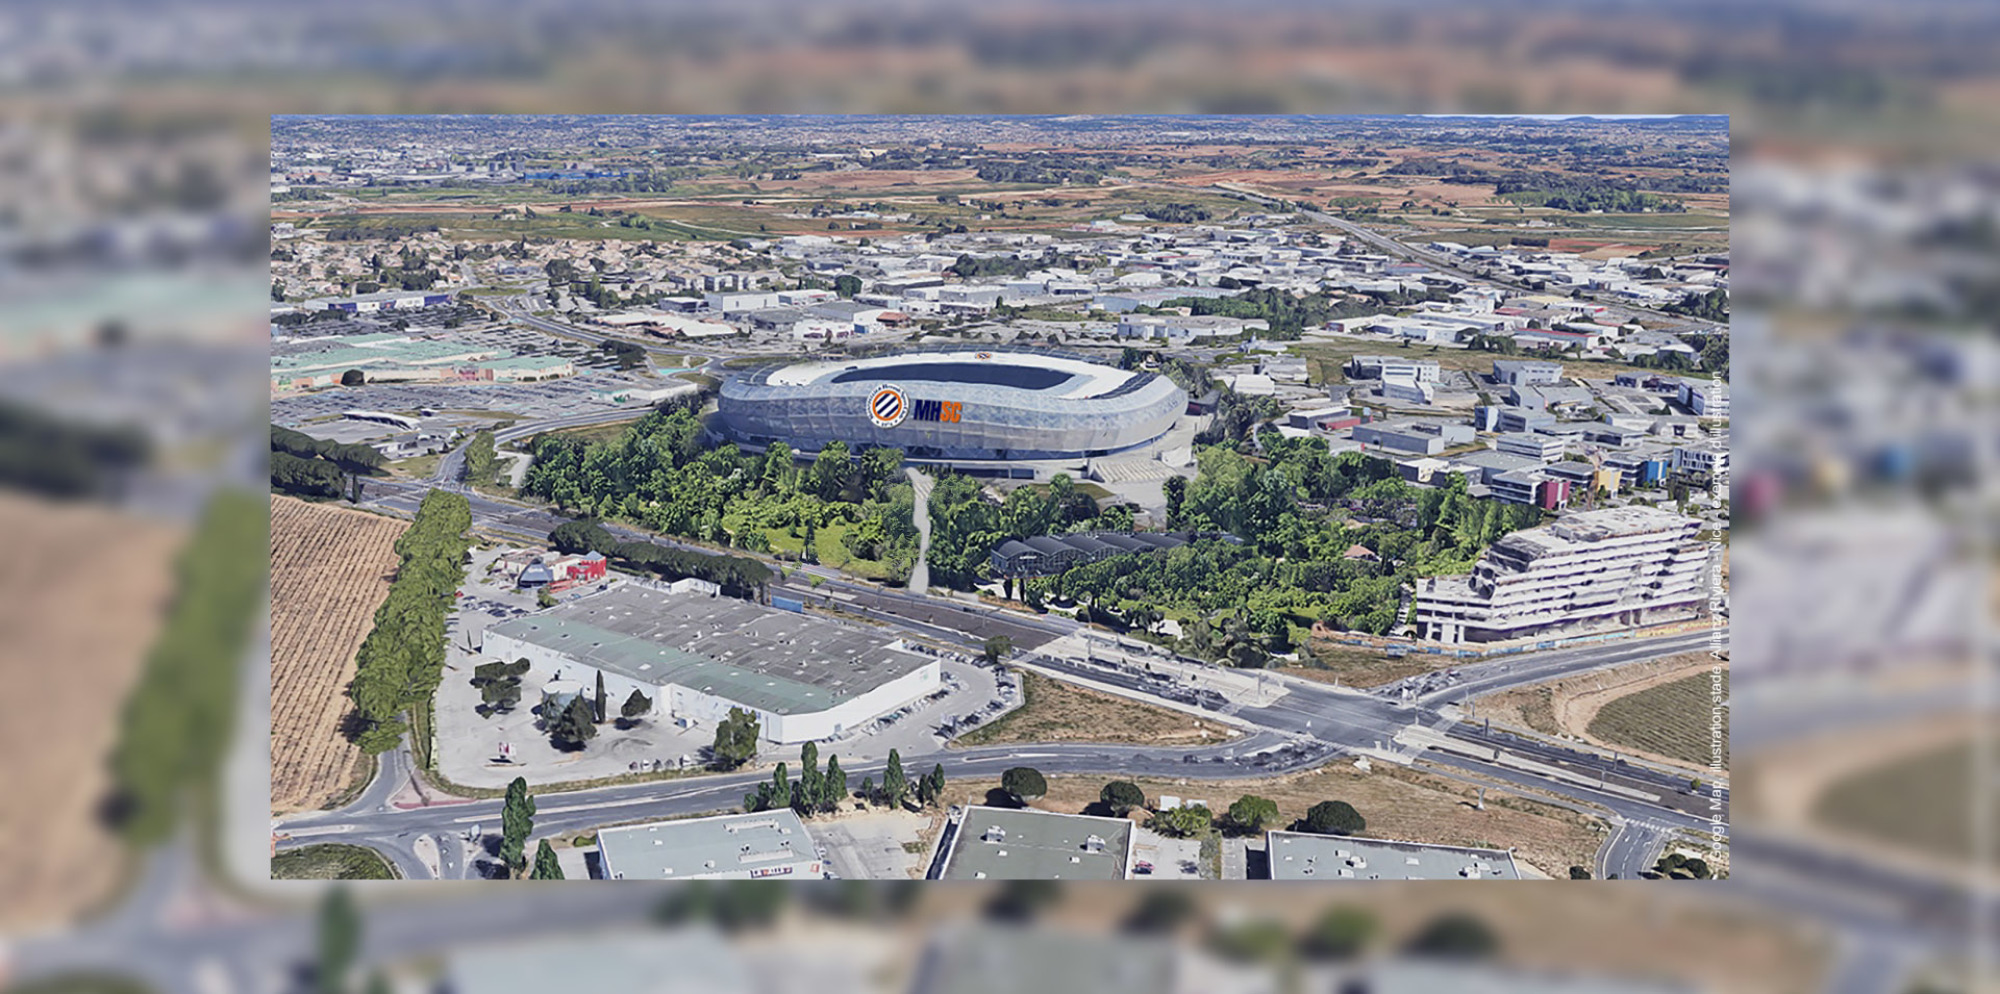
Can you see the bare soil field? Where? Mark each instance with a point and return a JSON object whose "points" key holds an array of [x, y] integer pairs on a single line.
{"points": [[1571, 705], [330, 569], [1358, 666], [1061, 712], [87, 590], [1398, 803]]}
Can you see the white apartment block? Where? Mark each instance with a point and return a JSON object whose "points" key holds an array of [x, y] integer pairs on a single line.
{"points": [[1593, 570]]}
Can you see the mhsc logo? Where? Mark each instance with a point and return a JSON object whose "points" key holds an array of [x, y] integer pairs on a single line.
{"points": [[887, 408]]}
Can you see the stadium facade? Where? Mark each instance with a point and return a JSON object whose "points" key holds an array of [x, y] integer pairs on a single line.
{"points": [[971, 405]]}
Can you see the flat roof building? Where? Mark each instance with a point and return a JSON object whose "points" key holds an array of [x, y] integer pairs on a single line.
{"points": [[1306, 856], [757, 846], [698, 655], [1612, 568], [1526, 372], [1026, 844]]}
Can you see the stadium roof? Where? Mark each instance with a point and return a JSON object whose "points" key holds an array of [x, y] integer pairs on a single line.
{"points": [[1059, 376], [705, 847], [1305, 856], [1025, 844], [778, 662]]}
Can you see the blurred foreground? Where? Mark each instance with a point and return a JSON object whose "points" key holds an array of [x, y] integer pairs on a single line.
{"points": [[131, 425]]}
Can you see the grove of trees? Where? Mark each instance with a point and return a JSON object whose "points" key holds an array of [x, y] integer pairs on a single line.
{"points": [[401, 661]]}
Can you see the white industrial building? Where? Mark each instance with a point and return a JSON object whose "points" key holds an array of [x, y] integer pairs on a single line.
{"points": [[1613, 568], [765, 845], [1388, 367], [1533, 445], [697, 655]]}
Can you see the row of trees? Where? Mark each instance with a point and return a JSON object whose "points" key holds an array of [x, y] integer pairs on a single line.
{"points": [[1249, 815], [818, 791], [401, 662], [738, 576], [350, 457], [517, 822]]}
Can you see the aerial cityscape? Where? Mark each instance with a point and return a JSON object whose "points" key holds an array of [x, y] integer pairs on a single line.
{"points": [[1019, 498]]}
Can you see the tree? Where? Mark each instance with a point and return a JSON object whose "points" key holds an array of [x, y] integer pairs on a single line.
{"points": [[930, 787], [1334, 818], [1159, 911], [996, 648], [1021, 901], [599, 704], [735, 739], [1453, 935], [339, 940], [1340, 933], [546, 867], [1121, 796], [1176, 488], [636, 706], [1025, 783], [572, 726], [895, 783], [807, 798], [833, 785], [1579, 873], [781, 787], [1182, 822], [847, 286], [544, 599], [480, 457], [517, 820], [353, 378], [1251, 813]]}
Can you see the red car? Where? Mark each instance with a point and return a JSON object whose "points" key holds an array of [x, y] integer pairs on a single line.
{"points": [[1142, 867]]}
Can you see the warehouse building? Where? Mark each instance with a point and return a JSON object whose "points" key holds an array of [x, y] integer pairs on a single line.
{"points": [[1026, 844], [386, 300], [1612, 568], [1305, 856], [765, 845], [696, 655]]}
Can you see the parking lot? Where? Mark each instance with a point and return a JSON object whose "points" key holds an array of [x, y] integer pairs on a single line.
{"points": [[1156, 857], [871, 846]]}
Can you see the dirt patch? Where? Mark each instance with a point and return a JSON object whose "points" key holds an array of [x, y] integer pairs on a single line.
{"points": [[1360, 666], [330, 570], [1398, 803], [1054, 711], [86, 589], [1568, 706]]}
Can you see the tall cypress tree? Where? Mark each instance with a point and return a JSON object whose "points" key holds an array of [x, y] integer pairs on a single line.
{"points": [[833, 787], [781, 788], [517, 820], [895, 782], [808, 796], [546, 867]]}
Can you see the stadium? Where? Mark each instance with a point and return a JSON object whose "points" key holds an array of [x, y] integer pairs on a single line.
{"points": [[952, 405]]}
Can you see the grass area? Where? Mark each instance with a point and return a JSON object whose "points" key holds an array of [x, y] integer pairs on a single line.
{"points": [[1053, 711], [1671, 719], [417, 467], [1361, 666], [331, 861], [1919, 802], [482, 225]]}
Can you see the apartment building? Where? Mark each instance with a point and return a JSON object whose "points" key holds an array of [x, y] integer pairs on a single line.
{"points": [[1614, 568]]}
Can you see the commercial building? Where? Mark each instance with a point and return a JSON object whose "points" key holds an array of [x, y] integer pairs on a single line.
{"points": [[1305, 856], [1533, 445], [1526, 372], [1705, 398], [1425, 438], [696, 655], [1612, 568], [1408, 391], [1179, 328], [1385, 367], [952, 405], [764, 845], [1707, 459], [1529, 486], [1026, 844], [386, 300]]}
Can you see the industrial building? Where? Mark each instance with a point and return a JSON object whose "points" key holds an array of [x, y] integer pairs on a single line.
{"points": [[696, 655], [1386, 367], [1526, 372], [386, 300], [1533, 445], [1425, 438], [763, 845], [1026, 844], [1611, 568], [952, 405], [1306, 856]]}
